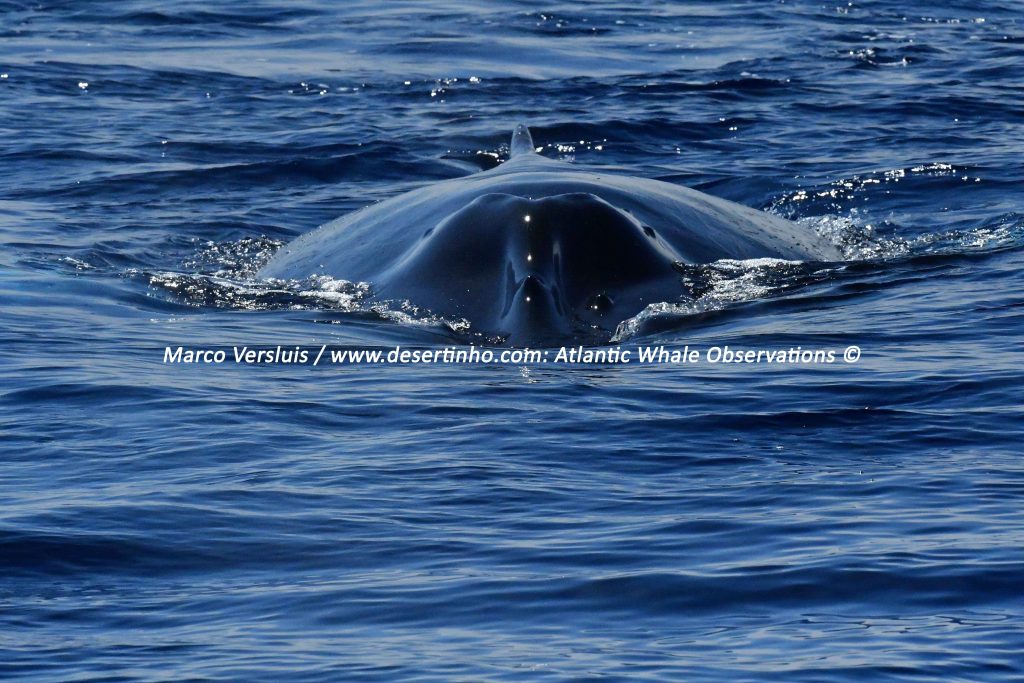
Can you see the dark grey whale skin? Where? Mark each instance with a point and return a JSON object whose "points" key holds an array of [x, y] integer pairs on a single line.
{"points": [[538, 251]]}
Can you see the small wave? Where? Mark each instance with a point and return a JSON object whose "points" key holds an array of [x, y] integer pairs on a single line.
{"points": [[237, 259], [714, 286], [719, 285], [900, 56], [318, 292], [863, 243], [223, 275], [837, 196]]}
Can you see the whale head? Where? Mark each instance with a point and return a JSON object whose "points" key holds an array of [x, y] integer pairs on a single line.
{"points": [[537, 270]]}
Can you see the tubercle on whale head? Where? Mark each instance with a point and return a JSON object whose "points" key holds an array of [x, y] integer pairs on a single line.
{"points": [[534, 313], [522, 142]]}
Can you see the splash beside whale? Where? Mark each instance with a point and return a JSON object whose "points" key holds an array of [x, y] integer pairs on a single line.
{"points": [[538, 251]]}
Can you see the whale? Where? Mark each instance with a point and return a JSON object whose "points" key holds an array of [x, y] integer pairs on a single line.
{"points": [[538, 251]]}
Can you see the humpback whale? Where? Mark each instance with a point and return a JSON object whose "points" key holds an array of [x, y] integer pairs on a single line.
{"points": [[537, 251]]}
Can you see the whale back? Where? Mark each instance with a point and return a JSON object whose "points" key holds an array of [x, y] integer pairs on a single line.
{"points": [[536, 249]]}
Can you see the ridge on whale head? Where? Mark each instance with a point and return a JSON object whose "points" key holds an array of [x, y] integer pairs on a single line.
{"points": [[538, 251]]}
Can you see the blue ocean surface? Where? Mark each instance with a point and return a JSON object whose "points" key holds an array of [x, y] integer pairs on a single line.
{"points": [[499, 521]]}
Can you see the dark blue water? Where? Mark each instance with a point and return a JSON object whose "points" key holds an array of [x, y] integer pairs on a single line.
{"points": [[825, 522]]}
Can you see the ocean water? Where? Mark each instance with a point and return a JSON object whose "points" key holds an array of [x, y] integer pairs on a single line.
{"points": [[537, 521]]}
